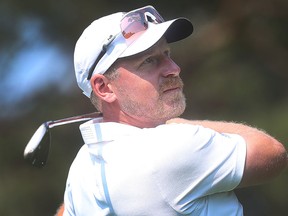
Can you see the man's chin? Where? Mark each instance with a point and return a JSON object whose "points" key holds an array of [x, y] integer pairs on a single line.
{"points": [[177, 109]]}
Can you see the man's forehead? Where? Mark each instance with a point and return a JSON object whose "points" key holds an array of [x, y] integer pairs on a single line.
{"points": [[161, 44]]}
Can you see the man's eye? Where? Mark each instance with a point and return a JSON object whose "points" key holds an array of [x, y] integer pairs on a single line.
{"points": [[149, 60], [148, 63]]}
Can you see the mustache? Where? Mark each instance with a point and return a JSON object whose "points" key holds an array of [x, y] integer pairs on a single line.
{"points": [[170, 83]]}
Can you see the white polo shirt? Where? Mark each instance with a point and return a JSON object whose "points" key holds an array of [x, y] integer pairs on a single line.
{"points": [[173, 169]]}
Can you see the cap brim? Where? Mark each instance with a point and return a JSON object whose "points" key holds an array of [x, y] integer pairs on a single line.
{"points": [[173, 30]]}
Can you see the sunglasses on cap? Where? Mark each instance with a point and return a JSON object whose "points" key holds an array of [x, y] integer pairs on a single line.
{"points": [[132, 25]]}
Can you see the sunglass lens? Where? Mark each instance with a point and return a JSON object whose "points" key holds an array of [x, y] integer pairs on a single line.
{"points": [[132, 24]]}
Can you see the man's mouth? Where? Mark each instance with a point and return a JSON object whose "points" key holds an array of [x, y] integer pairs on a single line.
{"points": [[171, 85], [176, 88]]}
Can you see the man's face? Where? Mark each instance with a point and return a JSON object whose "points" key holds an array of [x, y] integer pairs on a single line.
{"points": [[149, 88]]}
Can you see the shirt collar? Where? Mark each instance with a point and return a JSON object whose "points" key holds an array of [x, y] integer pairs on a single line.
{"points": [[95, 130]]}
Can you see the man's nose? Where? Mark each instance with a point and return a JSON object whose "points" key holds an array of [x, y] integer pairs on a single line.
{"points": [[170, 68]]}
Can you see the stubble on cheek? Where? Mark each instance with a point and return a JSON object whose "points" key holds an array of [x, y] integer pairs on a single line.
{"points": [[155, 106], [171, 91], [172, 103]]}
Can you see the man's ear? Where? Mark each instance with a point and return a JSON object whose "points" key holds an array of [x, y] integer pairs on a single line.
{"points": [[102, 88]]}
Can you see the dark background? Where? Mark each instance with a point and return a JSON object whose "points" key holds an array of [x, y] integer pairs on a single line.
{"points": [[234, 67]]}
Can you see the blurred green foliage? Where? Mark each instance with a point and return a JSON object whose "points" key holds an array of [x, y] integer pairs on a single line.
{"points": [[234, 67]]}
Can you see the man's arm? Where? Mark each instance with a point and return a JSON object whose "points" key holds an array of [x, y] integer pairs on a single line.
{"points": [[60, 210], [266, 157]]}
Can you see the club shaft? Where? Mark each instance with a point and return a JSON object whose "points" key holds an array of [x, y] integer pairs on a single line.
{"points": [[74, 119]]}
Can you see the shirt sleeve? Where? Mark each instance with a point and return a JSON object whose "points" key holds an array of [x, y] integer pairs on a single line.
{"points": [[197, 162]]}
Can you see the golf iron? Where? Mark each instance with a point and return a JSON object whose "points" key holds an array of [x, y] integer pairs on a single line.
{"points": [[37, 150]]}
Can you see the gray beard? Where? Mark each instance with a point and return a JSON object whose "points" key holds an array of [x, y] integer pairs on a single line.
{"points": [[157, 112]]}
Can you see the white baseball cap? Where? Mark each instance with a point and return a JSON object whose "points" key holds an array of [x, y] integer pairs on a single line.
{"points": [[105, 40]]}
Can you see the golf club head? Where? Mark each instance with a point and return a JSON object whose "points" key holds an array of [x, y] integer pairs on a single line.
{"points": [[37, 149]]}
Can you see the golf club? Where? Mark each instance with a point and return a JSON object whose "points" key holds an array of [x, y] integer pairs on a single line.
{"points": [[37, 149]]}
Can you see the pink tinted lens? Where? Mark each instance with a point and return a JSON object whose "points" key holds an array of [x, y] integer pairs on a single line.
{"points": [[137, 21], [132, 24]]}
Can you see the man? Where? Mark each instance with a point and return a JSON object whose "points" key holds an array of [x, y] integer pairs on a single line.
{"points": [[139, 159]]}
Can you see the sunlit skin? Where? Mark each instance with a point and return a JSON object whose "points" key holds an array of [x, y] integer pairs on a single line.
{"points": [[147, 92], [139, 97]]}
